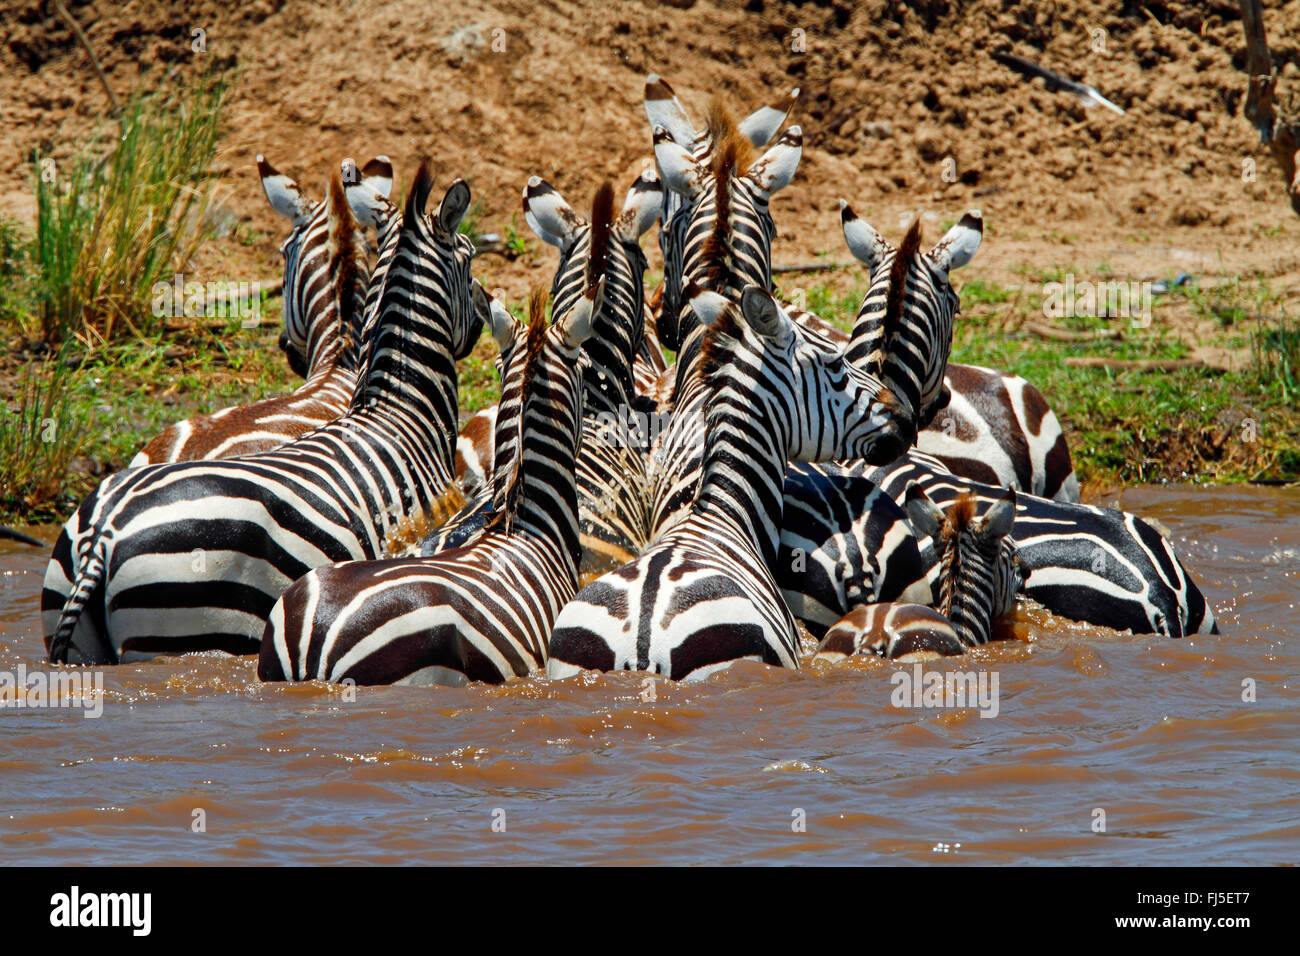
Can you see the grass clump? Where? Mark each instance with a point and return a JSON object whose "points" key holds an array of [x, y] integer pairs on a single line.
{"points": [[111, 225], [42, 429]]}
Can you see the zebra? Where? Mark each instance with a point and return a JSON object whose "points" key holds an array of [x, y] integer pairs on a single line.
{"points": [[978, 578], [1101, 566], [482, 612], [669, 122], [316, 347], [997, 428], [620, 338], [904, 324], [190, 556], [703, 595]]}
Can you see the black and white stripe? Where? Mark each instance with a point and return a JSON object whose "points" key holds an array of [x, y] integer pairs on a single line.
{"points": [[1099, 565], [173, 558], [479, 612], [703, 595]]}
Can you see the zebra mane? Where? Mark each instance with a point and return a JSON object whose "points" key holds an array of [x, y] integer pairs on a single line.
{"points": [[516, 392], [898, 270], [602, 221], [731, 151], [960, 515], [346, 245]]}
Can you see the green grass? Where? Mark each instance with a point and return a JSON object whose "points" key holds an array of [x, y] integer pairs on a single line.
{"points": [[42, 429], [114, 220], [1125, 425]]}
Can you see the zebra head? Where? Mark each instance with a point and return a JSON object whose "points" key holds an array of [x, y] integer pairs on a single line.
{"points": [[602, 244], [822, 406], [664, 110], [978, 567], [903, 332], [310, 336], [721, 236]]}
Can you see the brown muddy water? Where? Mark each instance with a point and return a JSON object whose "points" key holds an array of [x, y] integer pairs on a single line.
{"points": [[1153, 732]]}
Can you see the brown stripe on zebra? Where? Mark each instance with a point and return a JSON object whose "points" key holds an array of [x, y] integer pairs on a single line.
{"points": [[898, 632], [269, 423]]}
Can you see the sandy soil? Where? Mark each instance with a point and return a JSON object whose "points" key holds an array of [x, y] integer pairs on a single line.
{"points": [[497, 91]]}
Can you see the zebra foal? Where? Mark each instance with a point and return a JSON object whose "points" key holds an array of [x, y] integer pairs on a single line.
{"points": [[976, 586]]}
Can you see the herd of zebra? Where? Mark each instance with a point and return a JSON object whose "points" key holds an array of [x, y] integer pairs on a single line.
{"points": [[890, 502]]}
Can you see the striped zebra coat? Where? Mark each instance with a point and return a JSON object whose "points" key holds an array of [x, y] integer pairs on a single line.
{"points": [[977, 583], [1099, 565], [703, 595], [611, 464], [997, 428], [694, 147], [190, 556], [482, 612], [315, 344]]}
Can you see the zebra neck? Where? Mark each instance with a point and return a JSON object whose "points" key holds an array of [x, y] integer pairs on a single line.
{"points": [[688, 380], [744, 469], [609, 383], [547, 503], [411, 381]]}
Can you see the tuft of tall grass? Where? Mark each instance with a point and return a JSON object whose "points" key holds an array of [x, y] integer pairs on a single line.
{"points": [[42, 430], [110, 224], [1275, 358], [15, 266]]}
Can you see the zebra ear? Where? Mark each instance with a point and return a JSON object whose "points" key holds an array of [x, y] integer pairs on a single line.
{"points": [[960, 243], [577, 325], [764, 316], [677, 168], [1001, 518], [454, 205], [707, 306], [641, 207], [369, 204], [867, 245], [495, 316], [761, 125], [283, 193], [377, 174], [662, 109], [924, 514], [549, 215], [773, 171]]}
